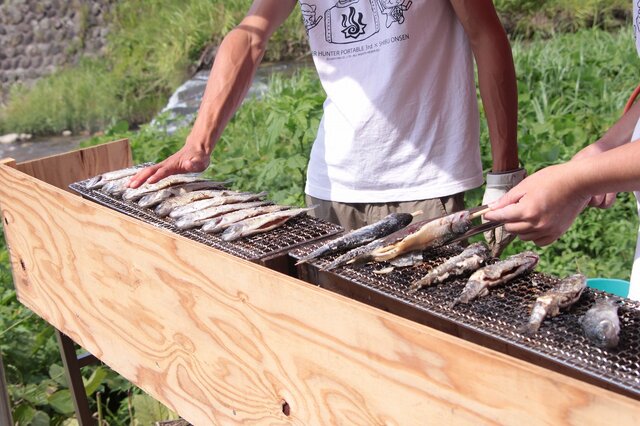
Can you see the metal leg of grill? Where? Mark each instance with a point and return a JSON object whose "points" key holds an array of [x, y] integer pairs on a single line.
{"points": [[5, 406], [72, 364]]}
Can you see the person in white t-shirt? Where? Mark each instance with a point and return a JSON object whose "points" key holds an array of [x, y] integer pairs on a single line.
{"points": [[400, 129]]}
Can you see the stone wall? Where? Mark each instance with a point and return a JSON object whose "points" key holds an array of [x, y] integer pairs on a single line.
{"points": [[39, 36]]}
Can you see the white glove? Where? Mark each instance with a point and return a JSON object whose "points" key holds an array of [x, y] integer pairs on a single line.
{"points": [[499, 184]]}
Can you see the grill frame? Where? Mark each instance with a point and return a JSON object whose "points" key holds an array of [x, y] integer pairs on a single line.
{"points": [[269, 248], [559, 345]]}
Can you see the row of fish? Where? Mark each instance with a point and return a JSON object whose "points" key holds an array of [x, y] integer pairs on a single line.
{"points": [[395, 240], [192, 201]]}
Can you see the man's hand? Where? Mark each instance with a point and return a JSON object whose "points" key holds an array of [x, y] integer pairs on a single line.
{"points": [[602, 201], [542, 207], [187, 160], [498, 184]]}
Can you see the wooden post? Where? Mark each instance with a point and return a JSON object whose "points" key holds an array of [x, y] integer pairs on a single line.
{"points": [[5, 405], [74, 378]]}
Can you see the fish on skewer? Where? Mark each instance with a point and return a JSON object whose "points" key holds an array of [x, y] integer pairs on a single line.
{"points": [[241, 197], [471, 258], [166, 206], [198, 218], [498, 273], [356, 255], [220, 223], [561, 296], [421, 235], [388, 225], [262, 223], [134, 194], [601, 324], [100, 180], [157, 197]]}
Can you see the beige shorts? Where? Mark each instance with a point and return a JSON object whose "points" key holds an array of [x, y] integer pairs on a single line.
{"points": [[355, 215]]}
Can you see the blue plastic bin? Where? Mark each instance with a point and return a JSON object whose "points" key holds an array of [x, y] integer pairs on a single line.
{"points": [[610, 285]]}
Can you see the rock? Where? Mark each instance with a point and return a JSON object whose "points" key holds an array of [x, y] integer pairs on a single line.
{"points": [[25, 136], [66, 133], [9, 138]]}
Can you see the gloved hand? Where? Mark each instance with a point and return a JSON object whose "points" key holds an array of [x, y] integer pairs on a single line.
{"points": [[499, 184]]}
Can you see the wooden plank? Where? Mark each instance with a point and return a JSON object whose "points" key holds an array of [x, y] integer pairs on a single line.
{"points": [[63, 169], [225, 341]]}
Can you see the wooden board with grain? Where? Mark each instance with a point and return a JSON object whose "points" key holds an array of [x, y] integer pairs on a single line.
{"points": [[63, 169], [225, 341]]}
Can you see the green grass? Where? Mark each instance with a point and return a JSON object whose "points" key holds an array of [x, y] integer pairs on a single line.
{"points": [[153, 47]]}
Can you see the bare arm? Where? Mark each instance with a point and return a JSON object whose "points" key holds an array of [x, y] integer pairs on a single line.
{"points": [[497, 78], [543, 206], [236, 62]]}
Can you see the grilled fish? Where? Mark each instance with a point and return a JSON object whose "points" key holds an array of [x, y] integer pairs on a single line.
{"points": [[132, 194], [101, 180], [355, 255], [495, 274], [220, 223], [360, 236], [200, 217], [601, 324], [165, 207], [196, 206], [470, 259], [421, 235], [561, 296], [406, 260], [116, 187], [157, 197], [262, 223]]}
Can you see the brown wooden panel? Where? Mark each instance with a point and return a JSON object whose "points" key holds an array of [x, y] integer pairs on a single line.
{"points": [[63, 169], [225, 341]]}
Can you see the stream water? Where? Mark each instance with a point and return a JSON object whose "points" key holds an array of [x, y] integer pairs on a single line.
{"points": [[179, 111]]}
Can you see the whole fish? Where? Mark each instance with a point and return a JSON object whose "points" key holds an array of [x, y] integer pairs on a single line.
{"points": [[471, 258], [198, 218], [406, 260], [165, 207], [421, 235], [157, 197], [220, 223], [356, 255], [360, 236], [498, 273], [196, 206], [101, 180], [561, 296], [601, 324], [116, 187], [133, 194], [262, 223]]}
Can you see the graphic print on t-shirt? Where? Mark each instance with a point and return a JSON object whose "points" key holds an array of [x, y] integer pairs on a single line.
{"points": [[351, 21], [341, 29], [394, 10], [309, 17]]}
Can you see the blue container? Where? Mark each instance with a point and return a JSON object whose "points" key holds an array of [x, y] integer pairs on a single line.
{"points": [[610, 285]]}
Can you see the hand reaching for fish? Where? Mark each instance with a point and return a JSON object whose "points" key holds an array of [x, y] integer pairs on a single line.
{"points": [[188, 159], [538, 209]]}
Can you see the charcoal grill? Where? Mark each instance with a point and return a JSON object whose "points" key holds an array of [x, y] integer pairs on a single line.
{"points": [[493, 321], [268, 248]]}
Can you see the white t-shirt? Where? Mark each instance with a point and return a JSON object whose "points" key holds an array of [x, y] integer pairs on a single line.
{"points": [[401, 119], [634, 289]]}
